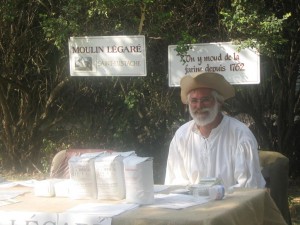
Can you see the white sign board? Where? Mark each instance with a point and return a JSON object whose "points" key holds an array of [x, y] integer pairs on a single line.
{"points": [[107, 56], [237, 67]]}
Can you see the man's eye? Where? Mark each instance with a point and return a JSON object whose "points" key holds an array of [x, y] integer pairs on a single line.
{"points": [[203, 100]]}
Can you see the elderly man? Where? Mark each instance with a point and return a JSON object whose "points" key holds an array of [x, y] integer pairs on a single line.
{"points": [[212, 145]]}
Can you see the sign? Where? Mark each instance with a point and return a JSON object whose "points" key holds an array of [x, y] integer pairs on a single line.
{"points": [[41, 218], [238, 67], [27, 218], [107, 56], [81, 219]]}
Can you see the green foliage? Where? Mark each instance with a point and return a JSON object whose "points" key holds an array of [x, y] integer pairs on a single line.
{"points": [[58, 22], [8, 6], [132, 98], [271, 27], [252, 25], [57, 29], [44, 109], [48, 150], [183, 47], [86, 18]]}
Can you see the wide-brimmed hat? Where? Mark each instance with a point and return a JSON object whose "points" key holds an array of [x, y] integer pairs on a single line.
{"points": [[205, 80]]}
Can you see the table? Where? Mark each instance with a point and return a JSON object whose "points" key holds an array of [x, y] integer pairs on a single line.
{"points": [[243, 207]]}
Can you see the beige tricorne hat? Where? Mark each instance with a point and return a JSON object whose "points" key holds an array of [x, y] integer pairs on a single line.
{"points": [[205, 80]]}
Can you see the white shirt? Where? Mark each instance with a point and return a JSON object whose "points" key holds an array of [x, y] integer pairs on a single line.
{"points": [[229, 153]]}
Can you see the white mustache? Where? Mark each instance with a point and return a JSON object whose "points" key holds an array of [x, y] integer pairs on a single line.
{"points": [[202, 110]]}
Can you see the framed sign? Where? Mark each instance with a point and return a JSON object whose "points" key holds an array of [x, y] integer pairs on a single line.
{"points": [[238, 67], [107, 56]]}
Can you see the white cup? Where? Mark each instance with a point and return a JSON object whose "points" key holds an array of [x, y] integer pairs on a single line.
{"points": [[216, 192]]}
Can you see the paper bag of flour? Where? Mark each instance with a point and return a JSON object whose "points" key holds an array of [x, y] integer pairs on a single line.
{"points": [[62, 188], [138, 173], [109, 172], [82, 177], [45, 188], [124, 154]]}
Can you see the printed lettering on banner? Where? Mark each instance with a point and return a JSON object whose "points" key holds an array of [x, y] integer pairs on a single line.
{"points": [[28, 218], [107, 56], [82, 219], [237, 66]]}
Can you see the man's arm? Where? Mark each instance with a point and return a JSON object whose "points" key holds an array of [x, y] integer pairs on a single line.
{"points": [[175, 171], [247, 170]]}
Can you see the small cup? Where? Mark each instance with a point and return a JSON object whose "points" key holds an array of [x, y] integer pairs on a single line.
{"points": [[216, 192]]}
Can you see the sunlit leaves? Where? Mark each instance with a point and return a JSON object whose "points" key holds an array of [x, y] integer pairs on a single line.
{"points": [[247, 23]]}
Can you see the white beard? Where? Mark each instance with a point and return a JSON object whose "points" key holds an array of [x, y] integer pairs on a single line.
{"points": [[203, 120]]}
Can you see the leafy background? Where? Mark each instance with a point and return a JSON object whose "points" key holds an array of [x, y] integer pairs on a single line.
{"points": [[44, 110]]}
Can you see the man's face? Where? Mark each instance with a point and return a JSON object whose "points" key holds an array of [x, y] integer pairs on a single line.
{"points": [[203, 106]]}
